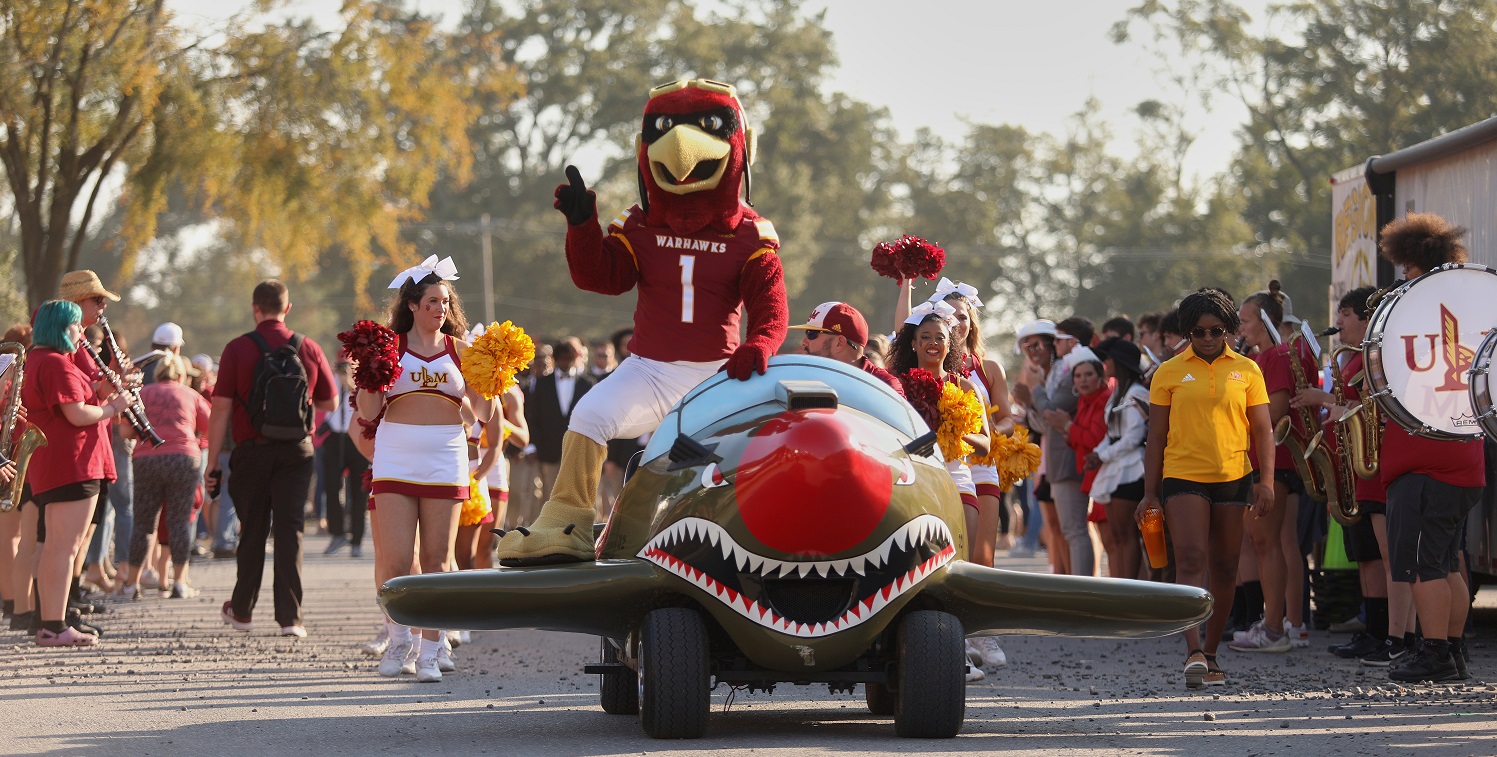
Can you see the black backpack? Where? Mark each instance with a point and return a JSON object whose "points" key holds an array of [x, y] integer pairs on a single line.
{"points": [[279, 405]]}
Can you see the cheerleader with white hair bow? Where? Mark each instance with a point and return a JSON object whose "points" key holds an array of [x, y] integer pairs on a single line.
{"points": [[420, 467]]}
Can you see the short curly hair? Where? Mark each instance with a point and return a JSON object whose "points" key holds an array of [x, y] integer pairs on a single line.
{"points": [[1424, 240], [1208, 301]]}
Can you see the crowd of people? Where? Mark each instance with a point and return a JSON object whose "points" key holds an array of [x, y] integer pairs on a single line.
{"points": [[152, 462]]}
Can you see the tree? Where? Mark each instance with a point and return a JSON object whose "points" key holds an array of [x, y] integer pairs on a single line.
{"points": [[1326, 85], [295, 139]]}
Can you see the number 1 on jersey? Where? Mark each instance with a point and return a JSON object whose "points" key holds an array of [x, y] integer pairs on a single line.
{"points": [[688, 294]]}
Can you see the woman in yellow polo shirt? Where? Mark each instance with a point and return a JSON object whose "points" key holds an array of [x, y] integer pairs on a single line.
{"points": [[1205, 404]]}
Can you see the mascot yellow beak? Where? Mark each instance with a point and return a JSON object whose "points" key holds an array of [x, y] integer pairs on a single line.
{"points": [[687, 159]]}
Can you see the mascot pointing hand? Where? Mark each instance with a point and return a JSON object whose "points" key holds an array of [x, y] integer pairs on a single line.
{"points": [[697, 253]]}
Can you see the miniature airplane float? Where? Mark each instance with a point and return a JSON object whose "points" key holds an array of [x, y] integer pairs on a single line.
{"points": [[798, 527]]}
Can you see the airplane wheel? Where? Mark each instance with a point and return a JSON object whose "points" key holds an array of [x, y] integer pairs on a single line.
{"points": [[931, 699], [674, 692], [618, 692], [880, 699]]}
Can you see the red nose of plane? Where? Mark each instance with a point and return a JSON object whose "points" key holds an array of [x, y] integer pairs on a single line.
{"points": [[806, 487]]}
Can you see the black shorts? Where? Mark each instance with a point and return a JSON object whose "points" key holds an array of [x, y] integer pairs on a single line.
{"points": [[70, 493], [1132, 491], [1042, 491], [1226, 493], [1425, 520], [1359, 538]]}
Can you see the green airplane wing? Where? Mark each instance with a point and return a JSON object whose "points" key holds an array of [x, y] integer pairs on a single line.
{"points": [[605, 598], [1007, 602]]}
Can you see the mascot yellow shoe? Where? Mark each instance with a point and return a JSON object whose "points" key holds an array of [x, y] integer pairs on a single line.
{"points": [[563, 532]]}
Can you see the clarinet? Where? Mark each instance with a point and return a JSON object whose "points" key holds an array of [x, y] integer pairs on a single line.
{"points": [[135, 413]]}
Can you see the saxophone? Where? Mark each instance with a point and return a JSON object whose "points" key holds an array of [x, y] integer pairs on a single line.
{"points": [[1359, 432], [1328, 477], [30, 439]]}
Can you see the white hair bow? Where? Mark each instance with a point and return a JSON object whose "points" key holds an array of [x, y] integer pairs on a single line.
{"points": [[477, 331], [924, 309], [947, 287], [445, 270]]}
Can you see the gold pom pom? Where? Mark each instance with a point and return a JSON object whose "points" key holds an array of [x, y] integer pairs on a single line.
{"points": [[476, 506], [491, 362], [961, 414], [1015, 457]]}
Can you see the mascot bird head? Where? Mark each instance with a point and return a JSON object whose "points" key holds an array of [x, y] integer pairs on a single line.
{"points": [[694, 149]]}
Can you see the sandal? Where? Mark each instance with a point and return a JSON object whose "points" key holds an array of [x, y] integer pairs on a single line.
{"points": [[68, 637], [1195, 669], [1214, 675]]}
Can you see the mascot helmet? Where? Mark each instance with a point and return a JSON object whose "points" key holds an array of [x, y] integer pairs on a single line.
{"points": [[694, 148]]}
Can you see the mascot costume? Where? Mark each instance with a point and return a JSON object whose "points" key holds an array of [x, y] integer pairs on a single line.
{"points": [[697, 253]]}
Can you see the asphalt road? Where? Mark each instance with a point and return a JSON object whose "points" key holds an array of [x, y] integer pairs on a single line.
{"points": [[170, 679]]}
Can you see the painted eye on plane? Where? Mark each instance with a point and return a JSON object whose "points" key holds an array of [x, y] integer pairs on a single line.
{"points": [[906, 472], [712, 477]]}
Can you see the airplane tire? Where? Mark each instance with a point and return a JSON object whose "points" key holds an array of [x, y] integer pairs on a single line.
{"points": [[880, 699], [931, 698], [618, 692], [674, 674]]}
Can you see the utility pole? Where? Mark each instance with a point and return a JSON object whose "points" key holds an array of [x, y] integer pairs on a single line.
{"points": [[488, 270]]}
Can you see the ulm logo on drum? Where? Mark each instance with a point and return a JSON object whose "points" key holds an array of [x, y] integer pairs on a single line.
{"points": [[1444, 346]]}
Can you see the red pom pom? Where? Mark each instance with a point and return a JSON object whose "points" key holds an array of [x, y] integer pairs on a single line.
{"points": [[923, 391], [376, 351], [909, 258]]}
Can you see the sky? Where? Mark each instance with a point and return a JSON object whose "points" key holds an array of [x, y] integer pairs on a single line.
{"points": [[1032, 64]]}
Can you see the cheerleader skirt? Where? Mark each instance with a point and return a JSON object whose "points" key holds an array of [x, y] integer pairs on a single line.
{"points": [[421, 461]]}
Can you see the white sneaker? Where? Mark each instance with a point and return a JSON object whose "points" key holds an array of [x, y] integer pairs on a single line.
{"points": [[974, 673], [1257, 640], [453, 639], [465, 637], [974, 655], [1299, 636], [377, 647], [427, 670], [397, 659], [444, 660], [992, 654]]}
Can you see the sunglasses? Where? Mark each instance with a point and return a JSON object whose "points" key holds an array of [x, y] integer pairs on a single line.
{"points": [[812, 336], [1215, 332]]}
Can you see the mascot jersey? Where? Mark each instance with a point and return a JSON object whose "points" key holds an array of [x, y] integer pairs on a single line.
{"points": [[689, 286]]}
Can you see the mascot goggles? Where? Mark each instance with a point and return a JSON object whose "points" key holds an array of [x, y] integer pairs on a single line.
{"points": [[706, 85]]}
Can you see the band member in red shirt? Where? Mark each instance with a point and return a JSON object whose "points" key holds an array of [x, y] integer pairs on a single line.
{"points": [[69, 473]]}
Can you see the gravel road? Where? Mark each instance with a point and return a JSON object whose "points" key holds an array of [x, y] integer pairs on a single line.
{"points": [[169, 678]]}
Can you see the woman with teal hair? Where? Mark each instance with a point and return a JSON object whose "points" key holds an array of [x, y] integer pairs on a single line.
{"points": [[69, 474]]}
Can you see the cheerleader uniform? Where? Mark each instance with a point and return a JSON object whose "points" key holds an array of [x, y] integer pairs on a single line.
{"points": [[423, 461], [984, 477]]}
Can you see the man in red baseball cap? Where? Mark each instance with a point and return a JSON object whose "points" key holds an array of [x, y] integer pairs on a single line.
{"points": [[837, 331]]}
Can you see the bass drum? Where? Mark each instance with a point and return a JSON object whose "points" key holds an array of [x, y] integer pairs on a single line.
{"points": [[1481, 386], [1421, 344]]}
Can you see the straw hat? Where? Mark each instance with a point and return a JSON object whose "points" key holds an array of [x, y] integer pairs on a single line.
{"points": [[81, 285]]}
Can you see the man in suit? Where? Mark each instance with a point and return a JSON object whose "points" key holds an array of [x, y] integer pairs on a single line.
{"points": [[549, 406]]}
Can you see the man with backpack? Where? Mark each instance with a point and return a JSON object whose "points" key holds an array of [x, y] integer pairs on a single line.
{"points": [[269, 381]]}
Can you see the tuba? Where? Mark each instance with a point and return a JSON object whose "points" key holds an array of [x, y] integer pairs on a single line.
{"points": [[1328, 477], [32, 438], [1359, 432]]}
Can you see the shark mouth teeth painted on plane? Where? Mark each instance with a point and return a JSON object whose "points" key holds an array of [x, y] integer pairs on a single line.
{"points": [[807, 599]]}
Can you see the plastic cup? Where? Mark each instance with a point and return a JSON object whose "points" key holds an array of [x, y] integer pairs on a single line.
{"points": [[1152, 528]]}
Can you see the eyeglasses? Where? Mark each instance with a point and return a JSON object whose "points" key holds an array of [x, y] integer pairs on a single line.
{"points": [[1215, 332]]}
